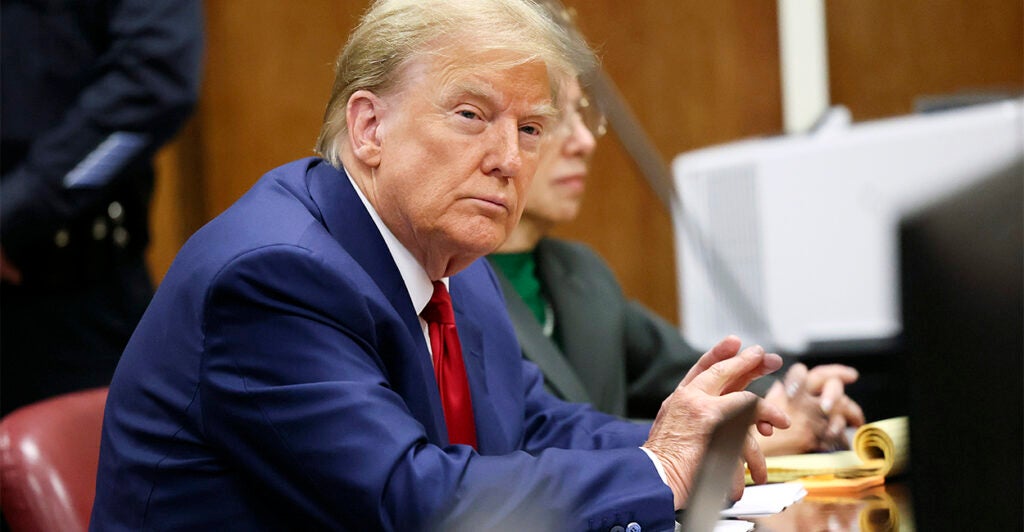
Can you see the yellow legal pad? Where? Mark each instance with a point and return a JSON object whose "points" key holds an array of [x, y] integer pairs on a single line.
{"points": [[832, 485], [880, 449]]}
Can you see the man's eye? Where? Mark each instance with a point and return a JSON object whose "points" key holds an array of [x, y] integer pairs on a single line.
{"points": [[530, 130], [466, 113]]}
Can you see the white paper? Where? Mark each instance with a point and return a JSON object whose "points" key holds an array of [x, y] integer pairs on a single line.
{"points": [[766, 499], [727, 525], [733, 525]]}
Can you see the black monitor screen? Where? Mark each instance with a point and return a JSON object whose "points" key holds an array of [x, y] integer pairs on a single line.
{"points": [[963, 324]]}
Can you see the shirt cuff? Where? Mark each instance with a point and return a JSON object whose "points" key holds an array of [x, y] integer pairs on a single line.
{"points": [[657, 464]]}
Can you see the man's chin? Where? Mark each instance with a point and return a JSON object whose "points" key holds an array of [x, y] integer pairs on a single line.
{"points": [[483, 247], [463, 252], [478, 241]]}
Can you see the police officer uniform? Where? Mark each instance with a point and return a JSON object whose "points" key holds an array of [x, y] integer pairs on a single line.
{"points": [[91, 89]]}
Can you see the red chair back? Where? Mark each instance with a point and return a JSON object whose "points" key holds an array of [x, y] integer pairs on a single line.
{"points": [[48, 458]]}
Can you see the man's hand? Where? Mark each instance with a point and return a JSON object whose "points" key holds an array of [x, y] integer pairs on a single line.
{"points": [[8, 272], [711, 389], [816, 402]]}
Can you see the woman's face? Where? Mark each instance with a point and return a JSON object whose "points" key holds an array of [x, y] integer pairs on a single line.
{"points": [[557, 190]]}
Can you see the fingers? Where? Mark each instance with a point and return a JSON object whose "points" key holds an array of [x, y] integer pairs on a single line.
{"points": [[769, 364], [819, 375], [735, 373], [829, 382], [853, 413], [795, 380], [847, 413], [836, 441], [739, 480], [831, 393], [776, 394], [840, 409], [755, 461], [724, 349], [769, 414], [819, 408]]}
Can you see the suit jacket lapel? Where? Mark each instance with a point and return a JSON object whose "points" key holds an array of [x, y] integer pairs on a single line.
{"points": [[591, 345], [540, 349], [350, 224]]}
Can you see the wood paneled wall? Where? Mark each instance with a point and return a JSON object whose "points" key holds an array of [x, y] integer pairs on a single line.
{"points": [[885, 55], [696, 73], [266, 79]]}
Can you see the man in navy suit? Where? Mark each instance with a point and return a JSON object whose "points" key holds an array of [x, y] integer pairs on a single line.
{"points": [[283, 379]]}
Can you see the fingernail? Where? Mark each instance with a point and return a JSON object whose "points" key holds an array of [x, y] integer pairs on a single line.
{"points": [[791, 389], [826, 406], [835, 428]]}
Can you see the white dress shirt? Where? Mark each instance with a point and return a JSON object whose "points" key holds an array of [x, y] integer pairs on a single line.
{"points": [[416, 280]]}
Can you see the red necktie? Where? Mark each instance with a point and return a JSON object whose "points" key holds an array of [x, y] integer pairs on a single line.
{"points": [[449, 368]]}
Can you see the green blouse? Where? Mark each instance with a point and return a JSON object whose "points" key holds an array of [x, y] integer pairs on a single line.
{"points": [[521, 270]]}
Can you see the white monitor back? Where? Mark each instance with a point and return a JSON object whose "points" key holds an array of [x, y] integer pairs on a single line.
{"points": [[789, 241]]}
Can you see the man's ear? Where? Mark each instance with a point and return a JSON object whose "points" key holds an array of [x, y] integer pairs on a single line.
{"points": [[363, 114]]}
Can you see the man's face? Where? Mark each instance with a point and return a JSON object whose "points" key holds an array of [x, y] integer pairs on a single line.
{"points": [[459, 146], [557, 190]]}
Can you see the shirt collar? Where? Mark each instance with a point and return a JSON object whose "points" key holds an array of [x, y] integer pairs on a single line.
{"points": [[416, 280]]}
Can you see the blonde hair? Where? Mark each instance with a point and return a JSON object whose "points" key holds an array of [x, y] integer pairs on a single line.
{"points": [[393, 32]]}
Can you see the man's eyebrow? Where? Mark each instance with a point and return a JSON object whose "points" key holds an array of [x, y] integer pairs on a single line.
{"points": [[467, 88], [461, 88]]}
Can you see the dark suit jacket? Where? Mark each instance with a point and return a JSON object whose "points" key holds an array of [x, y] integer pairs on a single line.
{"points": [[91, 89], [280, 380], [615, 353]]}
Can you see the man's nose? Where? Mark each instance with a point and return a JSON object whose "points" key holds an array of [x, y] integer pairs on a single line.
{"points": [[503, 158]]}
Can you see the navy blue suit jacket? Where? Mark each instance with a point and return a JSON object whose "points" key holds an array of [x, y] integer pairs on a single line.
{"points": [[280, 380]]}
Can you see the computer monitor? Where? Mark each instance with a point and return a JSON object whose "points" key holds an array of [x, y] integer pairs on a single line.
{"points": [[791, 242], [962, 270]]}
